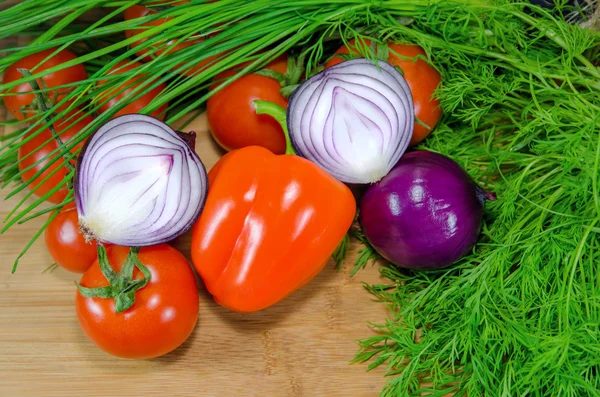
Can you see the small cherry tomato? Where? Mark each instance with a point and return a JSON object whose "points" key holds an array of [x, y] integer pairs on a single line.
{"points": [[421, 77], [134, 106], [66, 244], [163, 315], [231, 115], [22, 105], [43, 144]]}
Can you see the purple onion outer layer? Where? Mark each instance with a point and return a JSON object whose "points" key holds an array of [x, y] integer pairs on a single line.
{"points": [[138, 183], [425, 214], [354, 120]]}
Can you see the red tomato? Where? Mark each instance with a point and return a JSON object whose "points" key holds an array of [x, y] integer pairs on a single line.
{"points": [[21, 105], [136, 11], [37, 148], [231, 115], [164, 313], [422, 79], [66, 244], [134, 106]]}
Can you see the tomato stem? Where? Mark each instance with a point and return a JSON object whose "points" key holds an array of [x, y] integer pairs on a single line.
{"points": [[105, 268], [273, 74], [288, 90], [122, 286], [382, 51], [278, 113], [293, 72], [44, 106], [288, 80], [127, 270]]}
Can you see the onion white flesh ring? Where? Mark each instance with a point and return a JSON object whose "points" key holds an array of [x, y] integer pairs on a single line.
{"points": [[138, 183], [355, 120]]}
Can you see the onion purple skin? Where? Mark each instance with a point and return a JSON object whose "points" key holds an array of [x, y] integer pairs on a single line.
{"points": [[425, 214], [189, 138]]}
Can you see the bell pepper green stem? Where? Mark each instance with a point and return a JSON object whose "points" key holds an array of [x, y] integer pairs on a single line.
{"points": [[278, 113]]}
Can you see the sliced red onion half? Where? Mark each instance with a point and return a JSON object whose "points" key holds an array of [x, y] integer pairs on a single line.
{"points": [[138, 183], [354, 119]]}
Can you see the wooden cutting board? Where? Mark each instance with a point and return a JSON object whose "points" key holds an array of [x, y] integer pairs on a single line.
{"points": [[299, 347]]}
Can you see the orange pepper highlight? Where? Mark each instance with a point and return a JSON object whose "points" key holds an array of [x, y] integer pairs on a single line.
{"points": [[269, 226]]}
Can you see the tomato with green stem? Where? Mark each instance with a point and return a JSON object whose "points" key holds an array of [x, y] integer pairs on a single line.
{"points": [[422, 78], [138, 305], [109, 97], [19, 100], [66, 245], [39, 144], [232, 118]]}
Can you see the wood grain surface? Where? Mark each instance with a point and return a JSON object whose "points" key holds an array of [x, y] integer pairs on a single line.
{"points": [[299, 347]]}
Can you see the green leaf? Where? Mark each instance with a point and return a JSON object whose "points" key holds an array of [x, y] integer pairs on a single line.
{"points": [[339, 255], [367, 254]]}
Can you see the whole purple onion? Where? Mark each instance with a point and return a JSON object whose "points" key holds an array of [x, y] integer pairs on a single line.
{"points": [[425, 214]]}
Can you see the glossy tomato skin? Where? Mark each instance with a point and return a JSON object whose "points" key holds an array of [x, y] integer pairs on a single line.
{"points": [[66, 245], [421, 77], [16, 103], [38, 147], [136, 106], [164, 313], [137, 11], [231, 115]]}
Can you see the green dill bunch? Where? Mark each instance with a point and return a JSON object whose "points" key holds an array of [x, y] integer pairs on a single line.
{"points": [[521, 314]]}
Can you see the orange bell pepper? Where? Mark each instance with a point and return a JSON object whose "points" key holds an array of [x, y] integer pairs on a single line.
{"points": [[269, 226]]}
